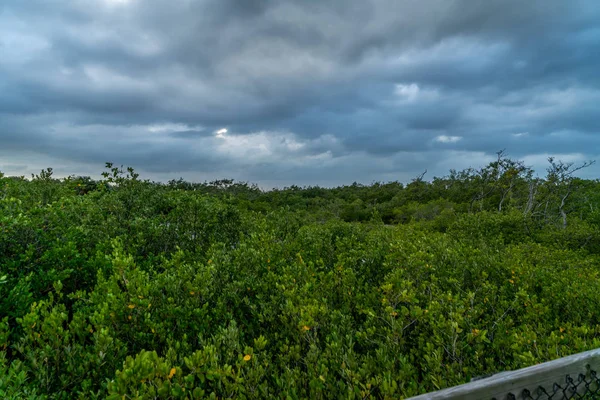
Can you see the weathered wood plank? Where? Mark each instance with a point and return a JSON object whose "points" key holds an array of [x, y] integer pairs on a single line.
{"points": [[498, 386]]}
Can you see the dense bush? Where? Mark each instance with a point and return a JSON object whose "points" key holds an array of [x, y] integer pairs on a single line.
{"points": [[124, 288]]}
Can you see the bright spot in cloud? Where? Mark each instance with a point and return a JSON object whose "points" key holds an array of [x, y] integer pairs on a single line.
{"points": [[520, 134], [221, 133], [409, 92], [161, 128], [264, 146], [447, 139], [413, 92]]}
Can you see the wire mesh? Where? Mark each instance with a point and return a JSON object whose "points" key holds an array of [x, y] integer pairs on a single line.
{"points": [[585, 386]]}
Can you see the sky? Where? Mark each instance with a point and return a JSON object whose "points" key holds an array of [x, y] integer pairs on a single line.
{"points": [[305, 92]]}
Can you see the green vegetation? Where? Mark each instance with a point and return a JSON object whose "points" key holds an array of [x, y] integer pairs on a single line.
{"points": [[123, 288]]}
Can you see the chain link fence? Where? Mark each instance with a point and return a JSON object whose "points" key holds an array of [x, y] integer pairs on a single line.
{"points": [[584, 387], [571, 377]]}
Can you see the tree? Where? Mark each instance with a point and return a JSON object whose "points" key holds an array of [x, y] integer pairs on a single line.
{"points": [[561, 184]]}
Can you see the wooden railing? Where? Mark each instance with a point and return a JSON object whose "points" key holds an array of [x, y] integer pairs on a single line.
{"points": [[572, 377]]}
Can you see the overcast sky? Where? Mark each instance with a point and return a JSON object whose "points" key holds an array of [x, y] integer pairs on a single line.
{"points": [[306, 92]]}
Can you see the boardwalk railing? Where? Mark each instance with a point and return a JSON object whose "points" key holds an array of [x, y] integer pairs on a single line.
{"points": [[572, 377]]}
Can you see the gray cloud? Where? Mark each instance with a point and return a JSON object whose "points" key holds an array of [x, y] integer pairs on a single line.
{"points": [[310, 91]]}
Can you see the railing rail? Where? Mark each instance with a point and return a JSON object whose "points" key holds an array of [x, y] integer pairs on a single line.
{"points": [[571, 377]]}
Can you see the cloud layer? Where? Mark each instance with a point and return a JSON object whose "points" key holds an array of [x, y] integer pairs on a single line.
{"points": [[305, 92]]}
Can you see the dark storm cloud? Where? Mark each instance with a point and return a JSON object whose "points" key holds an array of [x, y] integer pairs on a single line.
{"points": [[309, 91]]}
